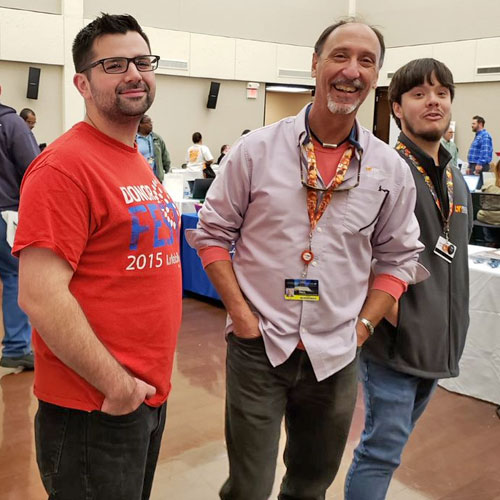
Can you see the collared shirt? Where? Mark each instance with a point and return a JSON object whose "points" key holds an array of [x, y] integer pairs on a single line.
{"points": [[146, 147], [452, 149], [481, 149], [259, 202]]}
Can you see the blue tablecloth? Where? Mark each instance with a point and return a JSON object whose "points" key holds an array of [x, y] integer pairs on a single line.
{"points": [[194, 278]]}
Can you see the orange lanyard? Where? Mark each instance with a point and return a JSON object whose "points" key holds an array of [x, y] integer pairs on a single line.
{"points": [[449, 186], [314, 210]]}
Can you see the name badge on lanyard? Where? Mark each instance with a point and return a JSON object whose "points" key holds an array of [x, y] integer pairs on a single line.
{"points": [[445, 249], [301, 289]]}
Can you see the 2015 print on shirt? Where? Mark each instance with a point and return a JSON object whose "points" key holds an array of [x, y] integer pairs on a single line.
{"points": [[154, 219]]}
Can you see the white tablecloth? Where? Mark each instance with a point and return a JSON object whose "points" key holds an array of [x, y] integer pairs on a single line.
{"points": [[176, 184], [480, 363]]}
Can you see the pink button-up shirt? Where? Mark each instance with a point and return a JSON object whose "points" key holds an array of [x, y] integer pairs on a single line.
{"points": [[258, 201]]}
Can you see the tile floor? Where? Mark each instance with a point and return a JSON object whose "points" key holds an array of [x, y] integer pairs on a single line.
{"points": [[454, 453]]}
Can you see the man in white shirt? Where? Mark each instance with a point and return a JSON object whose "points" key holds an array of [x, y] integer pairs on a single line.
{"points": [[199, 156]]}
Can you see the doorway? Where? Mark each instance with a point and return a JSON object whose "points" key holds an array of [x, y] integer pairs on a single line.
{"points": [[382, 117]]}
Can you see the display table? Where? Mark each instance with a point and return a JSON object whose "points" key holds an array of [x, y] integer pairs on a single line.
{"points": [[480, 363], [194, 278]]}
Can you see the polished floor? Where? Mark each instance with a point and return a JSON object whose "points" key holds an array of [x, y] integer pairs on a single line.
{"points": [[454, 453]]}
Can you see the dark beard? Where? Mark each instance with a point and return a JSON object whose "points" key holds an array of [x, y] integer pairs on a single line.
{"points": [[120, 111], [429, 136]]}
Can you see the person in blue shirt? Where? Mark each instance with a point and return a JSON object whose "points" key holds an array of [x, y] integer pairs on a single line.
{"points": [[481, 149], [153, 148]]}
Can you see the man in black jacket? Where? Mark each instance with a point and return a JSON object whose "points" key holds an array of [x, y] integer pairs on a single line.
{"points": [[17, 149], [423, 338]]}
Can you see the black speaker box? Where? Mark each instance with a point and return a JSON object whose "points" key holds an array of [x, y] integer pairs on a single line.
{"points": [[213, 94], [33, 81]]}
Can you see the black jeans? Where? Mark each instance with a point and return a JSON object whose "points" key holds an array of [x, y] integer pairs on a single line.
{"points": [[95, 456], [317, 420]]}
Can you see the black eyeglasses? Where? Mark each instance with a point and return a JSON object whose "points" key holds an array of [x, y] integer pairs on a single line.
{"points": [[339, 188], [116, 65]]}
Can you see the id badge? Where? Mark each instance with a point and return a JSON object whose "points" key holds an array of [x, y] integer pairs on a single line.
{"points": [[445, 249], [301, 289]]}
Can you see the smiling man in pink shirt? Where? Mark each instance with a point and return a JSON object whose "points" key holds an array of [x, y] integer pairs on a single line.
{"points": [[313, 204]]}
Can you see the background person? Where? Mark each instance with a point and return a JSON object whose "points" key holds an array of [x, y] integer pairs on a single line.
{"points": [[17, 150], [153, 148], [199, 156], [223, 152], [28, 115], [490, 209], [481, 150], [449, 144]]}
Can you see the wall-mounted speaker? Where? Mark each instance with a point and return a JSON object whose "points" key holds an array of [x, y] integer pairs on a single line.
{"points": [[213, 94], [33, 81]]}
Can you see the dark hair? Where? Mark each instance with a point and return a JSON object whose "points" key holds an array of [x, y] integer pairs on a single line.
{"points": [[196, 137], [246, 131], [318, 46], [415, 73], [143, 118], [107, 24], [25, 113], [479, 119]]}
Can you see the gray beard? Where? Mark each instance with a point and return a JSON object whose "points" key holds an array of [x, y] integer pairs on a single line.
{"points": [[342, 109]]}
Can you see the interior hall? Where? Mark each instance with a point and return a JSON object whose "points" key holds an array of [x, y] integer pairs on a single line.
{"points": [[226, 67]]}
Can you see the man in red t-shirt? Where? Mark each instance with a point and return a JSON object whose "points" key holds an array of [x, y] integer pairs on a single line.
{"points": [[98, 241]]}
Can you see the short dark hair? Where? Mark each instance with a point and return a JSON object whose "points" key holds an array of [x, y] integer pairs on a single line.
{"points": [[196, 137], [107, 24], [25, 112], [415, 73], [318, 46], [479, 119], [144, 118]]}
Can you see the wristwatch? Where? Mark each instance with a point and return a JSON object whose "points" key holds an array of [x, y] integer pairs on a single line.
{"points": [[369, 325]]}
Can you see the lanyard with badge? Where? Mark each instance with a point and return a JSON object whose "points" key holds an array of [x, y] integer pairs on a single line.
{"points": [[316, 203], [444, 247], [150, 159]]}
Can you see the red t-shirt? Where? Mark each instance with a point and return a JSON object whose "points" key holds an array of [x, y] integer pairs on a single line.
{"points": [[96, 203]]}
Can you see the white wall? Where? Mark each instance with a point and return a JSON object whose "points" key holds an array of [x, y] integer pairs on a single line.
{"points": [[180, 108], [49, 6], [228, 40], [48, 107], [429, 21], [278, 21]]}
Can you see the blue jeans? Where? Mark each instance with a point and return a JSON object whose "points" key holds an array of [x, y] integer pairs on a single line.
{"points": [[317, 420], [393, 403], [85, 455], [17, 339]]}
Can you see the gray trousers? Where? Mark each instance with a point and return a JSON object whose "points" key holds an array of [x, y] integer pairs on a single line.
{"points": [[317, 420]]}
